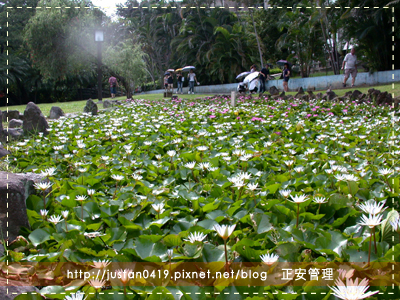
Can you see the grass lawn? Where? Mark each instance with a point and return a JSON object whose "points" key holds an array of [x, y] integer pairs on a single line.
{"points": [[77, 106]]}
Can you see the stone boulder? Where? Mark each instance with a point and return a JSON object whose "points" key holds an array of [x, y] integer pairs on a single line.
{"points": [[17, 187], [311, 95], [15, 123], [273, 91], [356, 94], [56, 112], [107, 104], [14, 133], [318, 96], [282, 94], [90, 107], [299, 93], [11, 114], [3, 152], [3, 137], [10, 289], [329, 95], [34, 120]]}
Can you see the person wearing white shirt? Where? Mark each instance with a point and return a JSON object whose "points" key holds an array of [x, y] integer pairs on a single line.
{"points": [[350, 61], [192, 79]]}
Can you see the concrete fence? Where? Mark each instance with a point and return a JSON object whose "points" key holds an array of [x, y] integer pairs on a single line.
{"points": [[313, 83]]}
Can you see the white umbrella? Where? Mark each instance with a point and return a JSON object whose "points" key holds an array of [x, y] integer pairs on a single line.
{"points": [[242, 74], [251, 77], [188, 68]]}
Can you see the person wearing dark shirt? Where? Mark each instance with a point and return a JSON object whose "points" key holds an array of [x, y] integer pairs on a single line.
{"points": [[286, 76], [180, 78], [264, 74]]}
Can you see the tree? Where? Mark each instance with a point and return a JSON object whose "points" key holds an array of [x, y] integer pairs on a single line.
{"points": [[60, 40], [126, 61], [302, 37]]}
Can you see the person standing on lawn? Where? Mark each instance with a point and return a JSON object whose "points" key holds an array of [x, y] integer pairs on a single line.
{"points": [[350, 60], [113, 86], [166, 82], [192, 79], [170, 83], [286, 76], [179, 78], [264, 75]]}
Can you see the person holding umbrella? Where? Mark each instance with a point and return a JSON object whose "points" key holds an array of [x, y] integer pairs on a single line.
{"points": [[113, 86], [192, 79], [286, 75]]}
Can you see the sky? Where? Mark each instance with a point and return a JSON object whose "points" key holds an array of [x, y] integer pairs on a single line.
{"points": [[108, 6]]}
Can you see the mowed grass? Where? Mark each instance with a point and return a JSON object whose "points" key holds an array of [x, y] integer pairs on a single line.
{"points": [[77, 106]]}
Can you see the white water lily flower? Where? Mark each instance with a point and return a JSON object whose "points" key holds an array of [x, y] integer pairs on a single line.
{"points": [[159, 207], [80, 198], [396, 224], [91, 192], [320, 200], [252, 186], [285, 193], [171, 153], [202, 148], [372, 208], [196, 237], [55, 219], [385, 172], [298, 198], [352, 290], [269, 259], [44, 212], [77, 296], [190, 165], [65, 213], [117, 177], [224, 231], [371, 221], [42, 185]]}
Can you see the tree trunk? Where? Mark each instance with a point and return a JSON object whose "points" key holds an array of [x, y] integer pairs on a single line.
{"points": [[258, 41]]}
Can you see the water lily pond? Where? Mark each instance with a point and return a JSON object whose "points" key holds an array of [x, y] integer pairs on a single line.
{"points": [[156, 181]]}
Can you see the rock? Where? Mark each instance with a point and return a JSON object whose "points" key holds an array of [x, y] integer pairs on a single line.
{"points": [[90, 107], [318, 96], [384, 98], [15, 123], [117, 102], [348, 94], [3, 152], [330, 95], [56, 112], [356, 94], [284, 97], [273, 90], [282, 94], [34, 120], [14, 133], [304, 98], [107, 104], [18, 187], [300, 91], [2, 134], [21, 116], [10, 289], [11, 114]]}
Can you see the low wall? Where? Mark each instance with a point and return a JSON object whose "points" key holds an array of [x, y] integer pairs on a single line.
{"points": [[313, 83]]}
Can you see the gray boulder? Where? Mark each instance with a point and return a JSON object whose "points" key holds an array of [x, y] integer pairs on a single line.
{"points": [[56, 112], [318, 96], [14, 190], [3, 152], [15, 123], [11, 114], [273, 90], [90, 107], [14, 133], [330, 95], [356, 94], [2, 134], [107, 104], [34, 120], [10, 289]]}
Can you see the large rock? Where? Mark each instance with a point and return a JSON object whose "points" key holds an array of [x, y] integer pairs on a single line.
{"points": [[273, 90], [14, 133], [90, 107], [11, 114], [356, 94], [15, 123], [10, 289], [14, 190], [299, 93], [107, 104], [330, 95], [55, 112], [3, 152], [34, 120], [2, 134]]}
